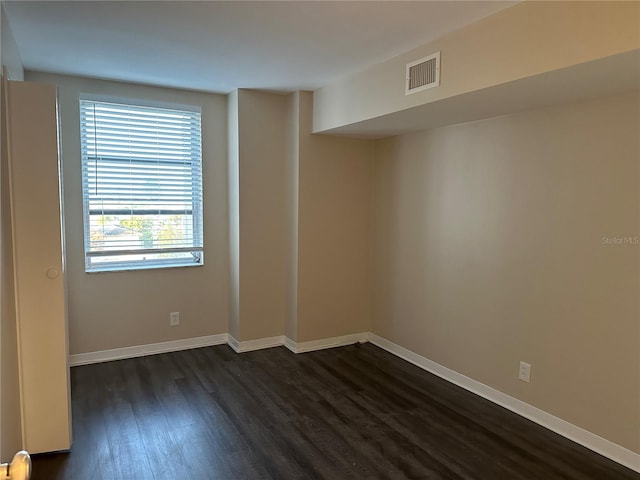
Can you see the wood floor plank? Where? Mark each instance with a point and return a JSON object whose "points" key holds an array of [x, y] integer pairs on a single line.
{"points": [[353, 412]]}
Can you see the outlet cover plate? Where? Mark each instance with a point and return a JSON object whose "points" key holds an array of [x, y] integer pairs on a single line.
{"points": [[524, 373]]}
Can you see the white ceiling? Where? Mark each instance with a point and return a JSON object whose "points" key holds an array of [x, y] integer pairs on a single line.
{"points": [[219, 46]]}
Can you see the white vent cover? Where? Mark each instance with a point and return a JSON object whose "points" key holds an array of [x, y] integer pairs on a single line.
{"points": [[423, 74]]}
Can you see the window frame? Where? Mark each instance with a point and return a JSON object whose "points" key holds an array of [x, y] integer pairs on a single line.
{"points": [[197, 208]]}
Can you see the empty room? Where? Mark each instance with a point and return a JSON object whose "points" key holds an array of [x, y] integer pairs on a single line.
{"points": [[320, 240]]}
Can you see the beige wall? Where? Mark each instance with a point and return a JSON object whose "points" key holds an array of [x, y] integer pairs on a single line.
{"points": [[118, 309], [233, 154], [292, 172], [488, 251], [304, 222], [333, 231], [527, 39], [262, 248]]}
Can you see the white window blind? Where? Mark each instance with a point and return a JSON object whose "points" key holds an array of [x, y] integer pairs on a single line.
{"points": [[142, 186]]}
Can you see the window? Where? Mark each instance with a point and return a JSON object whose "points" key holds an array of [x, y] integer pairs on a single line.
{"points": [[141, 186]]}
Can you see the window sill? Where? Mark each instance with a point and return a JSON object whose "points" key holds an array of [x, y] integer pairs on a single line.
{"points": [[132, 268]]}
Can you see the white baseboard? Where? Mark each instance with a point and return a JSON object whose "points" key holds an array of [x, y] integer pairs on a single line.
{"points": [[577, 434], [297, 347], [302, 347], [197, 342], [142, 350], [258, 344], [290, 344]]}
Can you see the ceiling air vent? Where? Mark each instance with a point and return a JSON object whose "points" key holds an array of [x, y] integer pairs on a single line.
{"points": [[423, 74]]}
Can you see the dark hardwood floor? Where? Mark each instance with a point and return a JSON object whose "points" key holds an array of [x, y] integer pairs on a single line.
{"points": [[354, 412]]}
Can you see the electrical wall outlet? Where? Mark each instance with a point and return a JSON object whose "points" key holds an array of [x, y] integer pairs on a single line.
{"points": [[174, 319], [524, 373]]}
